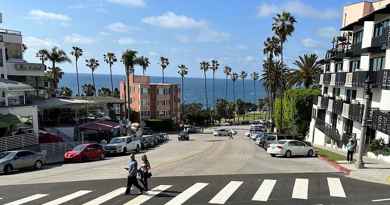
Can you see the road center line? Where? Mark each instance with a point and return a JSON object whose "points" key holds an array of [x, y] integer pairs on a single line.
{"points": [[67, 197], [148, 195], [380, 200], [300, 190], [187, 194], [226, 192], [335, 187], [107, 197], [264, 190], [27, 199]]}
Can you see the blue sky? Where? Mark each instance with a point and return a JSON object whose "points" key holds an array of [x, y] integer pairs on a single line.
{"points": [[231, 31]]}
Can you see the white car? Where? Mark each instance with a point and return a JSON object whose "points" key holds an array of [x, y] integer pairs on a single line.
{"points": [[221, 132], [123, 145], [289, 148], [254, 135]]}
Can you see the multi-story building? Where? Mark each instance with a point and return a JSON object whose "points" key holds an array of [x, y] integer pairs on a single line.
{"points": [[152, 100], [359, 58]]}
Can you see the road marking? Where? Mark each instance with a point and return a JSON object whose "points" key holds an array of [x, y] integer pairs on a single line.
{"points": [[335, 187], [379, 200], [27, 199], [300, 190], [226, 192], [67, 197], [107, 197], [264, 190], [148, 195], [186, 194]]}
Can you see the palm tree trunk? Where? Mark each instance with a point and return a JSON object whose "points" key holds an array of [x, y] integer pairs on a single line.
{"points": [[77, 76], [162, 75], [128, 96], [93, 81], [234, 100], [143, 70], [205, 90], [226, 87], [182, 99], [282, 88], [112, 84], [212, 114]]}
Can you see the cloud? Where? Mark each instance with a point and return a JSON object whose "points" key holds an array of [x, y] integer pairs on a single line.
{"points": [[327, 32], [126, 41], [118, 27], [297, 7], [78, 39], [153, 53], [34, 42], [129, 3], [40, 15], [242, 47], [103, 33], [172, 21], [183, 39], [210, 35], [310, 43], [249, 58]]}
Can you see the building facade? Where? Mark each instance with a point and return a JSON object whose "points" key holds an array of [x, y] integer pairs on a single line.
{"points": [[152, 100], [359, 58]]}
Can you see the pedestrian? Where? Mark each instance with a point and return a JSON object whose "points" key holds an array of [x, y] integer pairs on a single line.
{"points": [[351, 146], [132, 177], [145, 171]]}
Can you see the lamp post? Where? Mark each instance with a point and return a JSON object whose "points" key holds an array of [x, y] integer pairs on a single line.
{"points": [[362, 141]]}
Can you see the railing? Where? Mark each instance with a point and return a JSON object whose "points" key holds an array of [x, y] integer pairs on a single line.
{"points": [[381, 79], [323, 102], [348, 79], [355, 50], [329, 130], [340, 78], [1, 38], [336, 53], [315, 100], [333, 79], [326, 78], [380, 120], [330, 105], [359, 78], [356, 112], [17, 141], [345, 112], [381, 41], [338, 107]]}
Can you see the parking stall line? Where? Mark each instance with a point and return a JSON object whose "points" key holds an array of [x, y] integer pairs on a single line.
{"points": [[335, 187], [187, 194], [68, 197], [264, 190], [226, 192], [148, 195], [27, 199], [107, 197], [300, 190]]}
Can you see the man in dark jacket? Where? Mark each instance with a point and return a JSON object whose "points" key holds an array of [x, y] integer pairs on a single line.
{"points": [[132, 177]]}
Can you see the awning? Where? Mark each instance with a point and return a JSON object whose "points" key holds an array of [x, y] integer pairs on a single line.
{"points": [[100, 126], [8, 120], [13, 86]]}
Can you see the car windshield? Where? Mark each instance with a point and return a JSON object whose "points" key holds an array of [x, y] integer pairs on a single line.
{"points": [[79, 148], [4, 154], [282, 141], [117, 140]]}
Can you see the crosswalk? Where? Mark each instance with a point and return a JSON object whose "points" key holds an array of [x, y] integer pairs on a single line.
{"points": [[262, 192]]}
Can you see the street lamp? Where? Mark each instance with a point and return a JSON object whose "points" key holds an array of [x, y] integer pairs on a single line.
{"points": [[367, 101]]}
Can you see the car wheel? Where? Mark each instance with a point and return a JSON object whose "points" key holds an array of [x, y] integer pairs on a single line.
{"points": [[124, 152], [310, 153], [38, 164], [138, 149], [102, 156], [8, 169], [288, 154], [273, 155]]}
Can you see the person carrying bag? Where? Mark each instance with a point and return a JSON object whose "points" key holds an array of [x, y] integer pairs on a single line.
{"points": [[145, 171]]}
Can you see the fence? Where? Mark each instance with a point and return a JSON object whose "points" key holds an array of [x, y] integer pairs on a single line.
{"points": [[17, 141], [54, 152]]}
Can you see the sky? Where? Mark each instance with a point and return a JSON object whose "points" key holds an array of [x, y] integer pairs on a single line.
{"points": [[187, 32]]}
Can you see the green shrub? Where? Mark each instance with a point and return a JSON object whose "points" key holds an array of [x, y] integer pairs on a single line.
{"points": [[376, 145]]}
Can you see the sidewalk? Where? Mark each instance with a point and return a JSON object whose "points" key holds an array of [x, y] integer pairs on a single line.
{"points": [[375, 170]]}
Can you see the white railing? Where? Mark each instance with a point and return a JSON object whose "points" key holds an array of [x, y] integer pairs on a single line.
{"points": [[333, 79], [348, 79], [345, 112], [330, 105]]}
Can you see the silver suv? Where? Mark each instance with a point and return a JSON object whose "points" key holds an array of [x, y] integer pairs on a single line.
{"points": [[20, 159]]}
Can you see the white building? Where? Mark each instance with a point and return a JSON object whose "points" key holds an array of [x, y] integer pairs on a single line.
{"points": [[362, 50]]}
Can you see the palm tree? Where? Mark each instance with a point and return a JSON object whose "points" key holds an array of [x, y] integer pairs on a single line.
{"points": [[56, 55], [89, 90], [204, 66], [110, 59], [255, 77], [243, 76], [66, 91], [183, 71], [129, 60], [144, 62], [93, 64], [164, 62], [228, 71], [41, 54], [234, 77], [104, 92], [308, 67], [77, 53], [214, 67]]}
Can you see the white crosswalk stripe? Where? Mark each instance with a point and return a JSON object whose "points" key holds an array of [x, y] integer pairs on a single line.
{"points": [[264, 190], [68, 197], [300, 190], [187, 194], [335, 187], [226, 192], [148, 195], [27, 199], [107, 197]]}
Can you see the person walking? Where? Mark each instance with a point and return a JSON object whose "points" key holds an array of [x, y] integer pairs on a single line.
{"points": [[145, 171], [132, 177], [351, 146]]}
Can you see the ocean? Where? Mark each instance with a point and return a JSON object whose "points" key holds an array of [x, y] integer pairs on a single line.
{"points": [[193, 87]]}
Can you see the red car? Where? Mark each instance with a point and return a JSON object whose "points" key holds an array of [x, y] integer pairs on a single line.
{"points": [[85, 152]]}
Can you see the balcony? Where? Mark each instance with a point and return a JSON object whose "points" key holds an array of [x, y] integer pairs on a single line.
{"points": [[345, 111], [338, 107], [335, 54], [333, 79], [348, 79], [355, 50], [330, 105], [326, 78], [353, 111], [381, 42], [23, 68], [380, 120], [340, 78], [323, 102], [329, 130], [381, 79], [358, 78]]}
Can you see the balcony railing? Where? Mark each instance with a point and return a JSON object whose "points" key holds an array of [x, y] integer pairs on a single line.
{"points": [[353, 111], [340, 78], [338, 107], [326, 78], [329, 130], [330, 105], [333, 79], [323, 102], [380, 120], [335, 53], [381, 79], [345, 112], [355, 50], [381, 41], [348, 79], [359, 78]]}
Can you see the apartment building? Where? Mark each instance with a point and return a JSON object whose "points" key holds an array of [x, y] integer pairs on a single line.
{"points": [[359, 58], [153, 100]]}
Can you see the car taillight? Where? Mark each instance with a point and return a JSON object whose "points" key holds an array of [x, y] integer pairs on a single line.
{"points": [[280, 147]]}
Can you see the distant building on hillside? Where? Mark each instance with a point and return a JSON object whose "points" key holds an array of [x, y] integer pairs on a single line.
{"points": [[152, 100]]}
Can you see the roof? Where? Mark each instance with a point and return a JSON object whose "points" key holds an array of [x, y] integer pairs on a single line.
{"points": [[101, 125], [63, 102], [11, 85], [369, 17]]}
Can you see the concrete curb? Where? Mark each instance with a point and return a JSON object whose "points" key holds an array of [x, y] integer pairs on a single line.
{"points": [[334, 164]]}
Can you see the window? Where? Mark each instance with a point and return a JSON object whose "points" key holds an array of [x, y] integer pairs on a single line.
{"points": [[333, 92], [325, 90], [354, 94], [379, 28], [377, 63], [354, 65], [339, 67], [327, 67], [337, 91], [357, 38]]}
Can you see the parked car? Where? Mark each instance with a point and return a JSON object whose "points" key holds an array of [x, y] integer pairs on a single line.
{"points": [[258, 138], [147, 131], [274, 138], [123, 145], [221, 132], [85, 152], [20, 159], [184, 136], [254, 135], [164, 137], [233, 132], [289, 148], [148, 141], [255, 128]]}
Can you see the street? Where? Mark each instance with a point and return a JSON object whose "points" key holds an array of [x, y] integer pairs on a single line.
{"points": [[204, 170]]}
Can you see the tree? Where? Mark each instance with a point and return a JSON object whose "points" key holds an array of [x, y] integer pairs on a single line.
{"points": [[92, 64], [66, 91], [204, 66], [144, 63], [214, 67], [56, 55], [89, 89], [228, 71], [164, 62], [129, 60], [42, 55], [183, 71], [308, 68], [224, 109], [255, 77], [77, 53], [110, 59], [195, 114], [105, 92], [116, 93], [243, 76], [234, 77]]}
